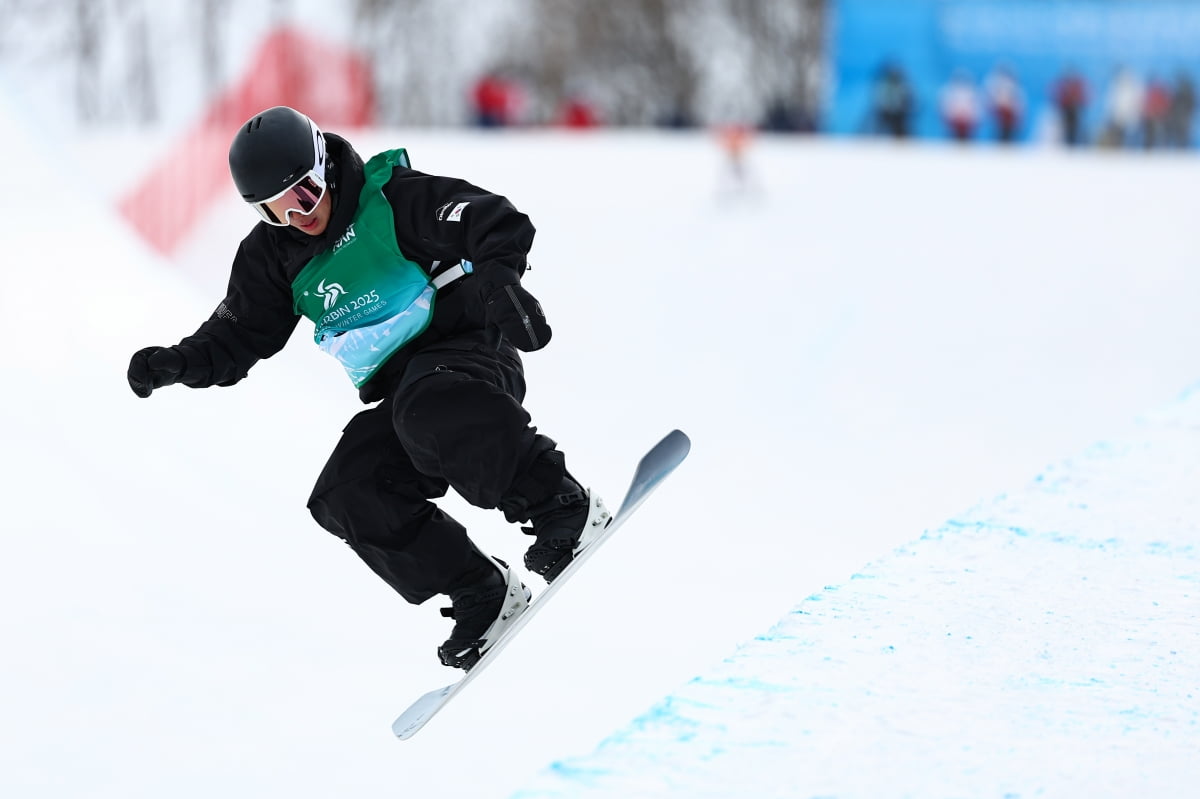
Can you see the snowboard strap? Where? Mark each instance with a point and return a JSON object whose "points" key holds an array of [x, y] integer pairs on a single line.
{"points": [[460, 269]]}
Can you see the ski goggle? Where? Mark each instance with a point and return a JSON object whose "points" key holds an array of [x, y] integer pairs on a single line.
{"points": [[301, 197]]}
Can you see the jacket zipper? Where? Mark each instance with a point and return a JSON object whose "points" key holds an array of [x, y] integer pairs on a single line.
{"points": [[512, 295]]}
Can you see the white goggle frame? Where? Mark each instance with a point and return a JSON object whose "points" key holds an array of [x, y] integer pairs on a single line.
{"points": [[302, 197]]}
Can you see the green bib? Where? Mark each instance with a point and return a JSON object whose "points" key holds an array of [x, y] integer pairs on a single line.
{"points": [[365, 299]]}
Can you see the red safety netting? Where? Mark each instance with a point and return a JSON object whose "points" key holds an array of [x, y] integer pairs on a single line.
{"points": [[329, 83]]}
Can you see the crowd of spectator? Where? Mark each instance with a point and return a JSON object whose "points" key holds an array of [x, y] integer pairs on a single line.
{"points": [[1133, 111], [500, 99]]}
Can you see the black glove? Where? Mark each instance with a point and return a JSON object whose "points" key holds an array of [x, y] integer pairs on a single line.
{"points": [[519, 316], [155, 367]]}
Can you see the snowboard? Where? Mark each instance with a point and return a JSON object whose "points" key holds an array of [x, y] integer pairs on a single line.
{"points": [[652, 469]]}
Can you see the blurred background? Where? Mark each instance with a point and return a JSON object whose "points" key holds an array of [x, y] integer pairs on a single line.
{"points": [[492, 63], [1111, 74]]}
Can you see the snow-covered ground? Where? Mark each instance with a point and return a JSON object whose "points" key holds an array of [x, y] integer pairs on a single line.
{"points": [[874, 349], [1043, 643]]}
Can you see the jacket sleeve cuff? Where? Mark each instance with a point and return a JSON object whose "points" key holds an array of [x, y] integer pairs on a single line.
{"points": [[493, 276], [195, 373]]}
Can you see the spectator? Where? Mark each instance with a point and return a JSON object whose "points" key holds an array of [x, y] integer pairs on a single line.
{"points": [[1155, 111], [678, 117], [496, 99], [782, 117], [1071, 98], [1007, 102], [1123, 108], [577, 113], [892, 102], [960, 106], [1181, 112]]}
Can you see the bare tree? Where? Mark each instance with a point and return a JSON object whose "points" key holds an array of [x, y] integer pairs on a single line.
{"points": [[785, 61], [212, 45], [621, 54], [425, 53], [637, 62], [390, 31], [87, 44], [140, 73], [644, 61]]}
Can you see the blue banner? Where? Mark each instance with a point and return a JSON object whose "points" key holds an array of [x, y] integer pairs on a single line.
{"points": [[921, 57]]}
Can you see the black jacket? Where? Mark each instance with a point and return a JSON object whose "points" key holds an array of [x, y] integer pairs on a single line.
{"points": [[256, 318]]}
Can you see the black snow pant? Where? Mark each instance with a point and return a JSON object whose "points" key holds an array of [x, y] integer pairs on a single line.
{"points": [[455, 420]]}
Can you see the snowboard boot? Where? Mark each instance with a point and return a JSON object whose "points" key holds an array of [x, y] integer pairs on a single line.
{"points": [[564, 524], [488, 602]]}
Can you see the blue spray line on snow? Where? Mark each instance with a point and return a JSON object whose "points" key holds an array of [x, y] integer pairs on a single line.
{"points": [[1068, 611]]}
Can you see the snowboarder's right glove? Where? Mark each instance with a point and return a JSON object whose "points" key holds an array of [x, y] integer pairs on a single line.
{"points": [[519, 316], [155, 367]]}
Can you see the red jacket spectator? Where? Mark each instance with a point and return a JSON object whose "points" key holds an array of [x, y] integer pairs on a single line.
{"points": [[577, 113], [495, 100]]}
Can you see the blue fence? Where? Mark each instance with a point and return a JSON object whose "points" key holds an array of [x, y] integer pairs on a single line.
{"points": [[926, 43]]}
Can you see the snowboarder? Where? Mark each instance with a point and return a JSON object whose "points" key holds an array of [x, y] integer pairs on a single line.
{"points": [[413, 282]]}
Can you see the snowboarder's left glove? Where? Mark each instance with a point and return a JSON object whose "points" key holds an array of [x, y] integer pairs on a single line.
{"points": [[519, 316]]}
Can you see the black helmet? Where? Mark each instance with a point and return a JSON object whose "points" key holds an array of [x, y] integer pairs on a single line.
{"points": [[274, 150]]}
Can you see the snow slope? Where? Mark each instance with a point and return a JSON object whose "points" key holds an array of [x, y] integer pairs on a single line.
{"points": [[861, 345], [1043, 643]]}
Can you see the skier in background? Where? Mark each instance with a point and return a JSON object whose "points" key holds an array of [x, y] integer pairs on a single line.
{"points": [[413, 282], [734, 139]]}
